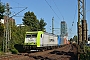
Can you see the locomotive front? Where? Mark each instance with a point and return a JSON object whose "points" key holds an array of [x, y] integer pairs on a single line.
{"points": [[30, 40]]}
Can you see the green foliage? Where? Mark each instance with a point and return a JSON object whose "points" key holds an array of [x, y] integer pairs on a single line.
{"points": [[18, 35], [85, 56], [1, 29], [14, 51], [1, 53], [1, 34], [34, 24], [30, 20], [18, 32], [2, 10], [87, 48], [42, 24], [75, 38], [71, 39]]}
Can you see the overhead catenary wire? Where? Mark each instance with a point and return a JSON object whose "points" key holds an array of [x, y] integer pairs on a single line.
{"points": [[52, 10], [70, 29], [58, 9], [18, 12], [74, 15], [17, 3], [14, 15]]}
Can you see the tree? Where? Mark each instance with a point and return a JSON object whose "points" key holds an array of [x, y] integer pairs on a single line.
{"points": [[30, 20], [42, 24], [2, 10], [1, 29], [71, 39], [34, 24], [18, 35], [1, 34], [75, 38]]}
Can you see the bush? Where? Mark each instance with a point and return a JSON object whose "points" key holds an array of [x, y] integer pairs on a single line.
{"points": [[1, 53], [85, 56], [14, 51]]}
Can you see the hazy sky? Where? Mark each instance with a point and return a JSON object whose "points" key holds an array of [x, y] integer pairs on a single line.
{"points": [[58, 9]]}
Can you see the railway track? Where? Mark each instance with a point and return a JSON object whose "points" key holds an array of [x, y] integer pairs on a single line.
{"points": [[13, 57], [67, 52], [64, 53], [3, 57]]}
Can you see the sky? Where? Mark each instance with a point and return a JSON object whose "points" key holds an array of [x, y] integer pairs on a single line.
{"points": [[46, 9]]}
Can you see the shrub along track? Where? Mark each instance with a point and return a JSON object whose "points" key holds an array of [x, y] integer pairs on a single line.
{"points": [[68, 52]]}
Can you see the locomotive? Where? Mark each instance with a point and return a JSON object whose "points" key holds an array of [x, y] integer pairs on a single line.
{"points": [[39, 40]]}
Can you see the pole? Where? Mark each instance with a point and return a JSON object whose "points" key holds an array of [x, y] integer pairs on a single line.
{"points": [[53, 25], [4, 41], [82, 28], [7, 32]]}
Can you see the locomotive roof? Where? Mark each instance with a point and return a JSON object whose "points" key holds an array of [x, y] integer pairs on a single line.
{"points": [[40, 31]]}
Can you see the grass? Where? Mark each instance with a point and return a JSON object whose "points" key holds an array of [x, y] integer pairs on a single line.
{"points": [[1, 53], [14, 51], [87, 48], [87, 55]]}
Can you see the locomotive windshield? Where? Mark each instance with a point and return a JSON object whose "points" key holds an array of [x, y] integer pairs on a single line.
{"points": [[31, 35]]}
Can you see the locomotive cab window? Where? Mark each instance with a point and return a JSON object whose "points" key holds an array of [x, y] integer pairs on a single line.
{"points": [[31, 35], [27, 36], [34, 35]]}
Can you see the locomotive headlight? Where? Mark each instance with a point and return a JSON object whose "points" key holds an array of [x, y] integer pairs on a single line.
{"points": [[28, 38]]}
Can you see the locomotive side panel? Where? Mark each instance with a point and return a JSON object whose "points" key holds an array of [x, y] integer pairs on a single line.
{"points": [[49, 39], [59, 40], [45, 39]]}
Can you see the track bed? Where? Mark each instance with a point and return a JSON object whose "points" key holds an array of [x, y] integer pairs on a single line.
{"points": [[68, 52]]}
